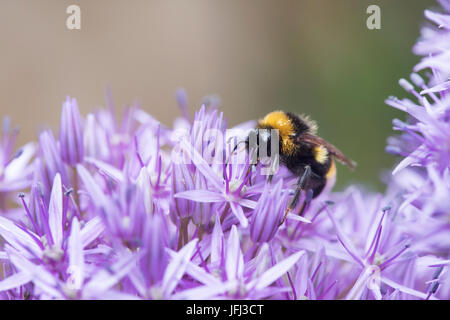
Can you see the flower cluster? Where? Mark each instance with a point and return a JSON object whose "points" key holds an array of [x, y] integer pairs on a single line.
{"points": [[132, 209], [422, 179]]}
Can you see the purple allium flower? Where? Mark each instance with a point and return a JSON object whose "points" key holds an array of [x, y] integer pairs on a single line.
{"points": [[48, 164], [214, 180], [422, 177], [232, 275], [71, 133], [420, 181], [268, 213], [434, 45], [182, 180], [15, 169], [426, 136]]}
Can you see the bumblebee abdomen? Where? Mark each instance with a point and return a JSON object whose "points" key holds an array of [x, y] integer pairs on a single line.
{"points": [[298, 163], [322, 171]]}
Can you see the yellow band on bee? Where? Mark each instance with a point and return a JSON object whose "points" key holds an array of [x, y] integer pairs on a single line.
{"points": [[332, 171], [279, 120], [320, 154]]}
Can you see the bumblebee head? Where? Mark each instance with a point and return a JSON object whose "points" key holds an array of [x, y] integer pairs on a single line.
{"points": [[289, 126], [265, 142]]}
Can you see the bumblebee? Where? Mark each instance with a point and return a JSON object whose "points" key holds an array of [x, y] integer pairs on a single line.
{"points": [[305, 154]]}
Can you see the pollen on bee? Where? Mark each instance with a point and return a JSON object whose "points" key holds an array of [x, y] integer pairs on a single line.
{"points": [[320, 154], [279, 120]]}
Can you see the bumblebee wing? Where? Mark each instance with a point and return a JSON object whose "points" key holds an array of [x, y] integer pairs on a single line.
{"points": [[315, 140]]}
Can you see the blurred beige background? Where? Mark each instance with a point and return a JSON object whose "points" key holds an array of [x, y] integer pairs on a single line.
{"points": [[308, 56]]}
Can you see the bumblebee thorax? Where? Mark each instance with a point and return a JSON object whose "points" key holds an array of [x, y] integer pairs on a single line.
{"points": [[280, 121]]}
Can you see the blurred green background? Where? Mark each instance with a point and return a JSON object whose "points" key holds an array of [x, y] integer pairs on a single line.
{"points": [[308, 56]]}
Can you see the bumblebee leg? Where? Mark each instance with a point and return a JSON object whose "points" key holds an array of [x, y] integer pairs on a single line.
{"points": [[305, 204], [302, 182], [273, 168], [249, 174]]}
